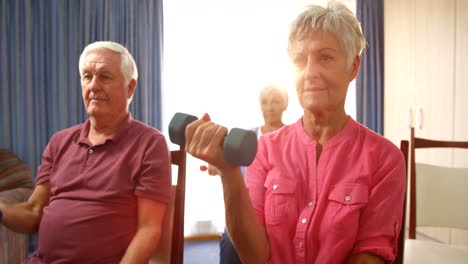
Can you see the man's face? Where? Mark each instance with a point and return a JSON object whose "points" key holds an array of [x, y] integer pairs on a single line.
{"points": [[322, 74], [102, 82]]}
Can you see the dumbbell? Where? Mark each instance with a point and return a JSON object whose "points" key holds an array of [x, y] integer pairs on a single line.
{"points": [[240, 145]]}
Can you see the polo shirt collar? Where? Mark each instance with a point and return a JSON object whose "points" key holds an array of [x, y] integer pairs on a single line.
{"points": [[115, 137], [122, 130]]}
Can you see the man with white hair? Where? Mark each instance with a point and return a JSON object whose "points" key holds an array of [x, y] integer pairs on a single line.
{"points": [[103, 186]]}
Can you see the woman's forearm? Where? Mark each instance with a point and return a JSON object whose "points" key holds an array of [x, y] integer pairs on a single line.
{"points": [[247, 233]]}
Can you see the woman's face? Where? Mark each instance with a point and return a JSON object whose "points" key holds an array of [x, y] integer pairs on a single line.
{"points": [[273, 106], [322, 74]]}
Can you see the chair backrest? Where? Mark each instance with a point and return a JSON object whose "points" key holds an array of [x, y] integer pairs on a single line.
{"points": [[171, 244], [16, 185], [14, 173], [404, 147], [439, 192]]}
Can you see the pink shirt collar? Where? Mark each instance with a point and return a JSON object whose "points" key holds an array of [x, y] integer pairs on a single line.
{"points": [[349, 130]]}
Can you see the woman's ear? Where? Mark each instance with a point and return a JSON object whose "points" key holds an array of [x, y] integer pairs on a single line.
{"points": [[355, 68]]}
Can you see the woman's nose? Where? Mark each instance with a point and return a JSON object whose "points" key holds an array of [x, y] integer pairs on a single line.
{"points": [[312, 69], [271, 107]]}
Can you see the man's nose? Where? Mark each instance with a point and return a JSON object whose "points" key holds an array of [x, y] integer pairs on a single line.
{"points": [[93, 85]]}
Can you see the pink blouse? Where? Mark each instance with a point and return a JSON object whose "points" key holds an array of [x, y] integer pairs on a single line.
{"points": [[350, 202]]}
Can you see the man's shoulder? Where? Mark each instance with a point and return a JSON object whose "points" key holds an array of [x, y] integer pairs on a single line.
{"points": [[142, 129], [67, 132], [65, 136]]}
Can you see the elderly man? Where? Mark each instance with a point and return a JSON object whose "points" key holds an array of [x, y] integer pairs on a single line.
{"points": [[103, 186]]}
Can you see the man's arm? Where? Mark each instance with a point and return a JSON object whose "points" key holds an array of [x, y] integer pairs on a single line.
{"points": [[25, 217], [150, 219]]}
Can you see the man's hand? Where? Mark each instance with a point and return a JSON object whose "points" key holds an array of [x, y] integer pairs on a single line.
{"points": [[25, 217]]}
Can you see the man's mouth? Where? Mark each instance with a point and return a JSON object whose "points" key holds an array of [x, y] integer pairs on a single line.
{"points": [[97, 99]]}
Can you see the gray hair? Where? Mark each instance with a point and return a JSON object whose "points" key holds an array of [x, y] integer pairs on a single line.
{"points": [[127, 64], [269, 89], [336, 18]]}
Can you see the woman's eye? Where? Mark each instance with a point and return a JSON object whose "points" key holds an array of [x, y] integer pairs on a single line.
{"points": [[325, 58], [300, 61]]}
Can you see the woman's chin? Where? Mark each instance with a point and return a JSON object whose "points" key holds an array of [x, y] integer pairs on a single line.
{"points": [[314, 106]]}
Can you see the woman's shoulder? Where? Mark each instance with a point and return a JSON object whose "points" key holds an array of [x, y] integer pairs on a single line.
{"points": [[378, 145], [283, 133]]}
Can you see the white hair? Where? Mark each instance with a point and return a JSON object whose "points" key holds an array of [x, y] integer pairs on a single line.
{"points": [[269, 89], [127, 63], [336, 18]]}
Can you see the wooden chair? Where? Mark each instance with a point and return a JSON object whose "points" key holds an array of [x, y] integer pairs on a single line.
{"points": [[437, 198], [404, 147], [171, 245]]}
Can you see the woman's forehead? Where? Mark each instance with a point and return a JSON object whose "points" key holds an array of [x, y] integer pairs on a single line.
{"points": [[272, 94], [315, 40]]}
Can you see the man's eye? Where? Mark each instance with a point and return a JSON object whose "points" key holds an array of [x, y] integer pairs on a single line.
{"points": [[86, 77]]}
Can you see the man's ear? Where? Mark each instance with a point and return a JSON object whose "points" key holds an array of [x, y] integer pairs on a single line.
{"points": [[131, 88], [355, 68]]}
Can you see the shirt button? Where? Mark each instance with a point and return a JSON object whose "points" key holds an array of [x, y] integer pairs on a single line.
{"points": [[303, 220], [311, 203], [275, 187], [90, 151], [299, 244], [347, 198]]}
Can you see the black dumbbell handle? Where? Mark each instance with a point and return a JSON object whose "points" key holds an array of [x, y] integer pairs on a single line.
{"points": [[240, 145]]}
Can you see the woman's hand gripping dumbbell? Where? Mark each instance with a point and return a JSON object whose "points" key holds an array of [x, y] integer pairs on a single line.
{"points": [[211, 142]]}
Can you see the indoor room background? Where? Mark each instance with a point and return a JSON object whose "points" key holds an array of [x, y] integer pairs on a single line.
{"points": [[215, 56], [193, 56]]}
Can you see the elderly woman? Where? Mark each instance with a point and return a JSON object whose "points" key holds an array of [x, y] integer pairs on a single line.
{"points": [[273, 102], [325, 189]]}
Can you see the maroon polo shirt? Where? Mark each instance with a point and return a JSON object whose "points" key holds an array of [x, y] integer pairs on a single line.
{"points": [[92, 213]]}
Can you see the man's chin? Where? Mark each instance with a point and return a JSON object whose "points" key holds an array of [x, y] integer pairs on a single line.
{"points": [[95, 113]]}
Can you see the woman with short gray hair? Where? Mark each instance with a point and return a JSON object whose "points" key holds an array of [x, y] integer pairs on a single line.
{"points": [[325, 189]]}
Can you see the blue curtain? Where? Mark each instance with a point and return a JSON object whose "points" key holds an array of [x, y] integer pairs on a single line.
{"points": [[370, 80], [40, 43]]}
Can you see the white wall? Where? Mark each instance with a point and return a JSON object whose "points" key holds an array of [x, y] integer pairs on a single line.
{"points": [[218, 54]]}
